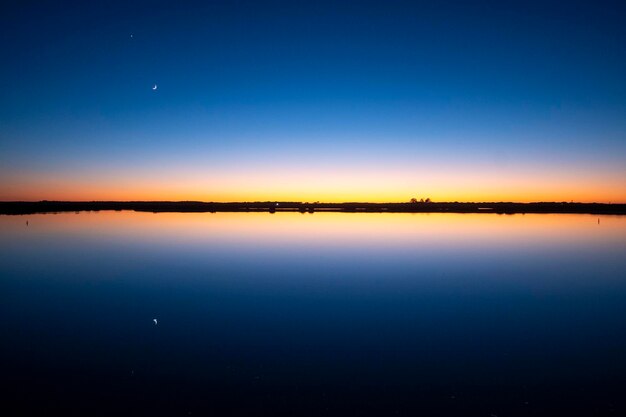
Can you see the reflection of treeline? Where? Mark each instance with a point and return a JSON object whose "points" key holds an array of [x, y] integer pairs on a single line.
{"points": [[425, 206]]}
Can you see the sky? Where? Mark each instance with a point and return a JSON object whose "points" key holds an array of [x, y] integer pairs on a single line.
{"points": [[313, 101]]}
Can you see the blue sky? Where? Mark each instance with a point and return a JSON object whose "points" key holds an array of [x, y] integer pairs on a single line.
{"points": [[406, 92]]}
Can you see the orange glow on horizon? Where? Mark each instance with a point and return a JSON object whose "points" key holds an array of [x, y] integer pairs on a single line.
{"points": [[323, 186]]}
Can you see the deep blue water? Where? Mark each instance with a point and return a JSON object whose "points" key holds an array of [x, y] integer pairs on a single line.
{"points": [[313, 314]]}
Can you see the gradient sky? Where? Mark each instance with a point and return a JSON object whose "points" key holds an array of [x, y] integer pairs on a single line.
{"points": [[329, 101]]}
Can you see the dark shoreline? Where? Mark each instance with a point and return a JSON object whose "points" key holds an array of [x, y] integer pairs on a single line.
{"points": [[22, 207]]}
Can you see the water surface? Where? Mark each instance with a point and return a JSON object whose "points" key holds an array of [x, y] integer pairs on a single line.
{"points": [[313, 314]]}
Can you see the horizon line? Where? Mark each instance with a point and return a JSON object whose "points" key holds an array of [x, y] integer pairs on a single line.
{"points": [[318, 202], [46, 206]]}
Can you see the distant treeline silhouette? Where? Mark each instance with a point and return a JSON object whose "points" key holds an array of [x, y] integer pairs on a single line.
{"points": [[414, 206]]}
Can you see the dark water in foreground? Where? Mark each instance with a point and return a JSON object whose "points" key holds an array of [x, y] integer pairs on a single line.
{"points": [[312, 314]]}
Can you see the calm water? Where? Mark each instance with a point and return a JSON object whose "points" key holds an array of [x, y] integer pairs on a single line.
{"points": [[313, 314]]}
